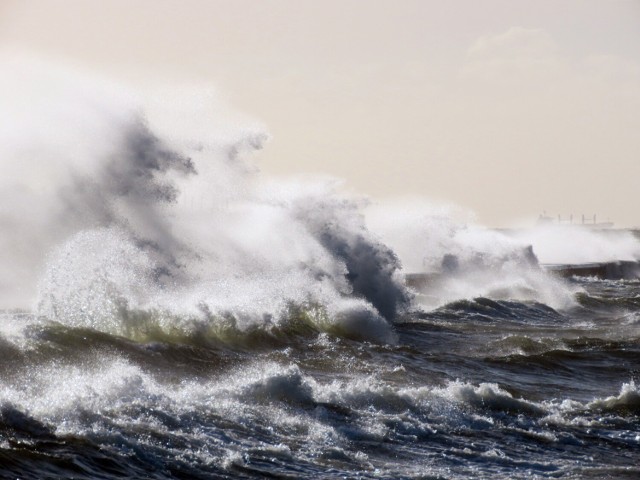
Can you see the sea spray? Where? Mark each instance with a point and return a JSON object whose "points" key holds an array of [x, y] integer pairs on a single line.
{"points": [[577, 244], [187, 317], [460, 259], [123, 237]]}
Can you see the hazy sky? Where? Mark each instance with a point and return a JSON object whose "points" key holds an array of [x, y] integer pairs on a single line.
{"points": [[506, 107]]}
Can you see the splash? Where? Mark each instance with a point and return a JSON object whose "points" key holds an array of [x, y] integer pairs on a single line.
{"points": [[140, 225], [125, 219], [567, 244], [452, 258]]}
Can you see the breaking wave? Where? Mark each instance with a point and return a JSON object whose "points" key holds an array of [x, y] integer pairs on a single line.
{"points": [[170, 312]]}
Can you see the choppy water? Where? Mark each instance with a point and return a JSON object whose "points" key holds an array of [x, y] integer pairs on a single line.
{"points": [[168, 312], [477, 388]]}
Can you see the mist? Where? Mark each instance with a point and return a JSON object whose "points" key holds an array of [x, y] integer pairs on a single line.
{"points": [[105, 216], [116, 204]]}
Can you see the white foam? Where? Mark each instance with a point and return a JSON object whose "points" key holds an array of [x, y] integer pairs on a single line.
{"points": [[135, 218], [567, 244], [488, 263], [628, 398]]}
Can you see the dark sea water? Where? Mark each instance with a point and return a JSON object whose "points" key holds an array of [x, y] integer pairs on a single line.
{"points": [[477, 388], [169, 312]]}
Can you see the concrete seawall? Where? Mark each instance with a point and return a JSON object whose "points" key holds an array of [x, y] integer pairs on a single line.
{"points": [[621, 270]]}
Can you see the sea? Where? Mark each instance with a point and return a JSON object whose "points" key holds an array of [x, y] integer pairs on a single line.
{"points": [[169, 311]]}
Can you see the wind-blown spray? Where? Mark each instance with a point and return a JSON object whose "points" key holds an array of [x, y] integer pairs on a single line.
{"points": [[180, 315], [124, 241]]}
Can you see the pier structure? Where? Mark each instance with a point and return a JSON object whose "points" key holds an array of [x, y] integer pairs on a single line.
{"points": [[620, 270], [587, 222]]}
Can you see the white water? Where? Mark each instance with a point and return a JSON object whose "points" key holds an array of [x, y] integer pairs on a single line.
{"points": [[111, 207], [488, 263], [575, 244], [106, 215], [115, 221]]}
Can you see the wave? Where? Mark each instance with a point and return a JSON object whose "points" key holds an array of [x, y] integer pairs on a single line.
{"points": [[490, 310], [141, 216], [169, 311], [451, 260], [62, 400], [627, 402], [608, 302], [135, 222], [228, 412]]}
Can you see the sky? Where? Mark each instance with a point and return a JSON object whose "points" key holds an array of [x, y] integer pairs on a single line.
{"points": [[508, 108]]}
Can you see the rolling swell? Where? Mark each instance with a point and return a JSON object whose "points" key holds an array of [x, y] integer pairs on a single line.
{"points": [[487, 309], [298, 401], [184, 317]]}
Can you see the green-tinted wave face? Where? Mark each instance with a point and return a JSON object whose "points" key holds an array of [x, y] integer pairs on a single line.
{"points": [[170, 312]]}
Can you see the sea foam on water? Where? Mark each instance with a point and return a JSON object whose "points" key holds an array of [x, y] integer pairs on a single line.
{"points": [[170, 311]]}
